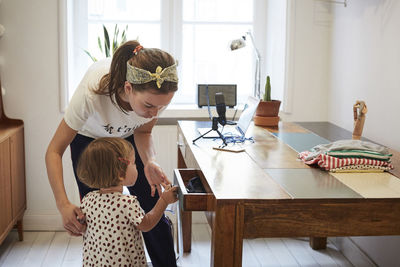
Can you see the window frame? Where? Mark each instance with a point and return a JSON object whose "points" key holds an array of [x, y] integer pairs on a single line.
{"points": [[170, 20]]}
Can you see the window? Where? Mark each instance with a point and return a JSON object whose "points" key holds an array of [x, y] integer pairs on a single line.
{"points": [[196, 32]]}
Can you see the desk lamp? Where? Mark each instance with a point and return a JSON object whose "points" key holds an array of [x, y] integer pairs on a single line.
{"points": [[239, 43]]}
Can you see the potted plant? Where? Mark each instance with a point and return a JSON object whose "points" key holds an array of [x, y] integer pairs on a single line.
{"points": [[267, 110], [109, 46]]}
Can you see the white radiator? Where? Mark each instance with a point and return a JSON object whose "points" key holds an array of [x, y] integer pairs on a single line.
{"points": [[165, 138]]}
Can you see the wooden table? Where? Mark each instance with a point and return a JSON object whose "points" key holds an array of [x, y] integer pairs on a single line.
{"points": [[267, 192]]}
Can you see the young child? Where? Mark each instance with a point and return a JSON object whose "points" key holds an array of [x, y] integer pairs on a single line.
{"points": [[114, 220]]}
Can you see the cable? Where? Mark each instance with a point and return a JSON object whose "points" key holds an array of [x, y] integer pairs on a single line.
{"points": [[232, 139], [234, 115], [208, 102]]}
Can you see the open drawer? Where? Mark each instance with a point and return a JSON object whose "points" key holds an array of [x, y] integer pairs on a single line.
{"points": [[193, 201]]}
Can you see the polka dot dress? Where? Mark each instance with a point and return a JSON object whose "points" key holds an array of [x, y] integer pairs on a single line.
{"points": [[111, 237]]}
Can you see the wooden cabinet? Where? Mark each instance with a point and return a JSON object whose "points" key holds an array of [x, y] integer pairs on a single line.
{"points": [[5, 187], [12, 174]]}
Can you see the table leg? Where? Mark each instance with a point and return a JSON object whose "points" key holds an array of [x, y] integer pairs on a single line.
{"points": [[318, 242], [20, 230], [227, 236], [187, 230], [185, 217]]}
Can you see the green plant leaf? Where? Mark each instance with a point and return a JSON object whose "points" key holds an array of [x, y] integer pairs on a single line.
{"points": [[99, 44], [110, 46], [123, 37], [93, 58], [106, 42], [114, 41], [115, 46]]}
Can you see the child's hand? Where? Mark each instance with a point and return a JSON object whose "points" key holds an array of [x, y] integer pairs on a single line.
{"points": [[170, 194]]}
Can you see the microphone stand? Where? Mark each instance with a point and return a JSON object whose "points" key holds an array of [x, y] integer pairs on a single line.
{"points": [[213, 128]]}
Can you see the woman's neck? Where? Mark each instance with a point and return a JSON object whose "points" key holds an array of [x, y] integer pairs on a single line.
{"points": [[118, 188]]}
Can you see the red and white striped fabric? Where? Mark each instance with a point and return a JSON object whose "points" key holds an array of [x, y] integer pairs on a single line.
{"points": [[328, 162]]}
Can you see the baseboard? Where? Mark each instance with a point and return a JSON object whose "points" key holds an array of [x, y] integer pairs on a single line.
{"points": [[352, 252], [43, 222]]}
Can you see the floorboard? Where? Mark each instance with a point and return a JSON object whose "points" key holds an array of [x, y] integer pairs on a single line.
{"points": [[7, 245], [302, 256], [73, 254], [38, 250], [58, 249], [262, 252], [280, 251], [20, 250]]}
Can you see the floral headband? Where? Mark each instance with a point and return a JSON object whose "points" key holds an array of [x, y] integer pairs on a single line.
{"points": [[136, 75]]}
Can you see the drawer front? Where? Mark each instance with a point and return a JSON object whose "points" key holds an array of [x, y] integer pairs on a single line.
{"points": [[193, 201]]}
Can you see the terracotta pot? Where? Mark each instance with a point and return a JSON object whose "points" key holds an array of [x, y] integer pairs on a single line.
{"points": [[266, 121], [268, 108]]}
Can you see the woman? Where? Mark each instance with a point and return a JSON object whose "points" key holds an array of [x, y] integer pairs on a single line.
{"points": [[119, 100]]}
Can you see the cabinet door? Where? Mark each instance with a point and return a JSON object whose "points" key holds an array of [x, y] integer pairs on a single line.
{"points": [[18, 172], [5, 186]]}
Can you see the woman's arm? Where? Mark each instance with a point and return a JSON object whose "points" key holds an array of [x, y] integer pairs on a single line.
{"points": [[61, 139], [145, 147]]}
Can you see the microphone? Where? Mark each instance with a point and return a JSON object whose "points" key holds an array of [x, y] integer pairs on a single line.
{"points": [[221, 108]]}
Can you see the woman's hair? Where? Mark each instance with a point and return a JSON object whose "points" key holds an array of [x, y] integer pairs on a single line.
{"points": [[102, 162], [112, 84]]}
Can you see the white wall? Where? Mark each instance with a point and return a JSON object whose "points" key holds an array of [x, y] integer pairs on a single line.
{"points": [[276, 48], [309, 54], [365, 66], [29, 72]]}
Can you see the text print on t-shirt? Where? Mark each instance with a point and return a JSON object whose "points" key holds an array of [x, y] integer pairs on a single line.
{"points": [[122, 129]]}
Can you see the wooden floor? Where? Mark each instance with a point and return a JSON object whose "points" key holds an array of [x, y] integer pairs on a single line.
{"points": [[59, 249]]}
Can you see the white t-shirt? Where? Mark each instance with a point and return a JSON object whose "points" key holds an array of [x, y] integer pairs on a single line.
{"points": [[111, 237], [95, 115]]}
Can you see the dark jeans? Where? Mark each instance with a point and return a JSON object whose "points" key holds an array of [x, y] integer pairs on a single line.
{"points": [[159, 242]]}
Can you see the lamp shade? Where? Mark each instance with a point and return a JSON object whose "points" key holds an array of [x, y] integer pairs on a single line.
{"points": [[238, 43]]}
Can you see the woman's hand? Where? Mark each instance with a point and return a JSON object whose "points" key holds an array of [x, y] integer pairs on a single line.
{"points": [[70, 216], [155, 176]]}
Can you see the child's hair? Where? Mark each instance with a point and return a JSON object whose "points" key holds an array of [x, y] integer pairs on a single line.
{"points": [[112, 84], [102, 162]]}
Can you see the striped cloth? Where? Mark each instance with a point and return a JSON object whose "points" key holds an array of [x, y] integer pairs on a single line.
{"points": [[356, 153], [329, 162]]}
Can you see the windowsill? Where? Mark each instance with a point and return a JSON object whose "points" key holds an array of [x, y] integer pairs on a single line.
{"points": [[188, 111], [176, 112]]}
